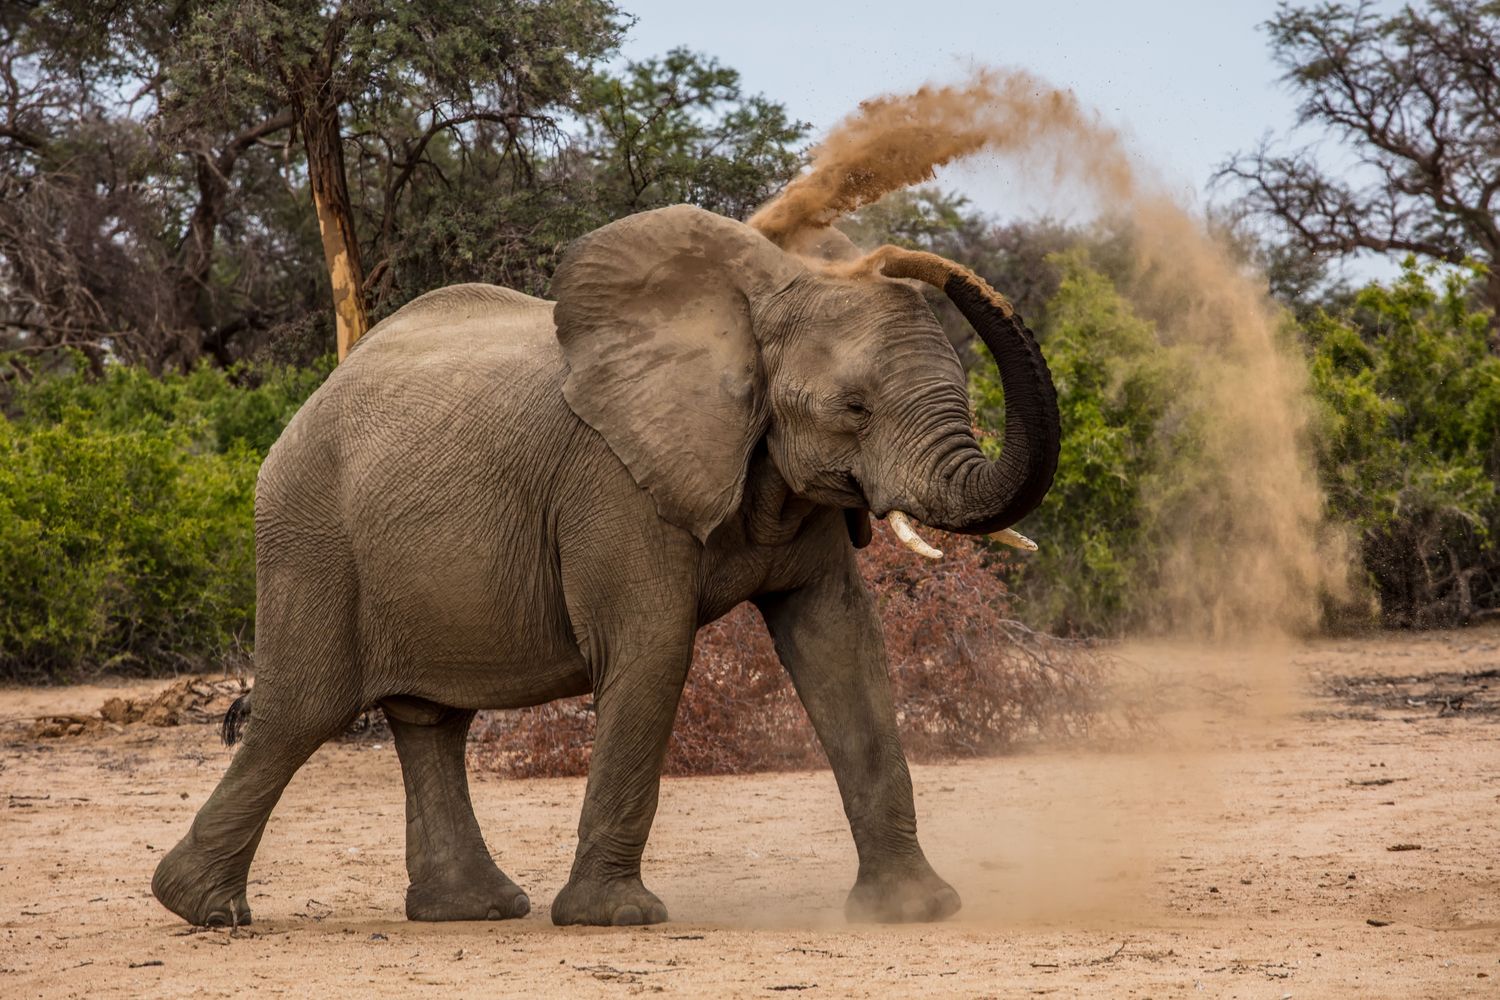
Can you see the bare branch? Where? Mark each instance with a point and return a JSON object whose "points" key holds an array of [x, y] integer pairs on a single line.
{"points": [[1416, 97]]}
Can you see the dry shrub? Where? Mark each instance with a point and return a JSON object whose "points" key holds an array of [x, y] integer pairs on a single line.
{"points": [[968, 681]]}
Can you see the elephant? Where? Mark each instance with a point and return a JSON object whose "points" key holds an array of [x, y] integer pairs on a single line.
{"points": [[497, 501]]}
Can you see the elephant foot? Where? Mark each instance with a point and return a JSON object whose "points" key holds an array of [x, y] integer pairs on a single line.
{"points": [[480, 891], [909, 895], [200, 889], [607, 902]]}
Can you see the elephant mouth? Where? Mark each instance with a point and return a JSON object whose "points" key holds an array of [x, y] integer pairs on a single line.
{"points": [[899, 520], [849, 484]]}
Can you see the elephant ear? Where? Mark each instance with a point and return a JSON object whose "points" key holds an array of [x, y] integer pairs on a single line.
{"points": [[656, 315]]}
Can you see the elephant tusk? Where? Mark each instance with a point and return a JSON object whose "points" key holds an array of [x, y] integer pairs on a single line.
{"points": [[902, 525], [1007, 537]]}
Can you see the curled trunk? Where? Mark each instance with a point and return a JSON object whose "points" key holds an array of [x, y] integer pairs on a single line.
{"points": [[995, 495], [974, 495]]}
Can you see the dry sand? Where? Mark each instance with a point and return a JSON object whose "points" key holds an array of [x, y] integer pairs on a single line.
{"points": [[1243, 864]]}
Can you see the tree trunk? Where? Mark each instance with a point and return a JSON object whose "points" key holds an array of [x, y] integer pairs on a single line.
{"points": [[1492, 299], [318, 117], [195, 255]]}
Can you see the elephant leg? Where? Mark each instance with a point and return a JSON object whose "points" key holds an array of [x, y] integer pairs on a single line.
{"points": [[828, 636], [307, 691], [636, 703], [203, 878], [452, 874]]}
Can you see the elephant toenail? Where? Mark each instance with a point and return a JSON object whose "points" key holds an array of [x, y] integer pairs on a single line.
{"points": [[493, 914], [627, 916], [521, 906], [216, 919]]}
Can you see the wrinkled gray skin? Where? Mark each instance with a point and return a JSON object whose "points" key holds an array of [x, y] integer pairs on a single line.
{"points": [[495, 502]]}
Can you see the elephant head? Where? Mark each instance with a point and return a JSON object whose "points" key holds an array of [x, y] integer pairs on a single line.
{"points": [[690, 339]]}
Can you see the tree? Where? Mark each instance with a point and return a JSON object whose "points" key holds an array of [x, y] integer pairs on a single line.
{"points": [[107, 232], [632, 139], [191, 179], [679, 130], [398, 76], [1414, 98]]}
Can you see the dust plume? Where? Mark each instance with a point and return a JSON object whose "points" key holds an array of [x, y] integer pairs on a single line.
{"points": [[894, 142], [1243, 553], [1248, 551]]}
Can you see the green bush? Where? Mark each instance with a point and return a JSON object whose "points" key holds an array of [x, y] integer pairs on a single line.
{"points": [[1408, 440], [1115, 386], [126, 501], [217, 410], [1409, 443], [126, 517]]}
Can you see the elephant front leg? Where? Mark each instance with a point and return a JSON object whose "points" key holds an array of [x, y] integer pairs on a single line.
{"points": [[636, 702], [828, 636]]}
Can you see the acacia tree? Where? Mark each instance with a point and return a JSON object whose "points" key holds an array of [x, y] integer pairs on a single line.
{"points": [[390, 77], [494, 208], [679, 129], [160, 158], [107, 229], [1414, 98]]}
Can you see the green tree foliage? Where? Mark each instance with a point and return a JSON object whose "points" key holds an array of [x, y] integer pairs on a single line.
{"points": [[661, 132], [679, 130], [159, 163], [1410, 442], [386, 78]]}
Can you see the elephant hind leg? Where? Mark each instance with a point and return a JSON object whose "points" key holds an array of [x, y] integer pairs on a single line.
{"points": [[309, 685], [203, 878], [452, 874]]}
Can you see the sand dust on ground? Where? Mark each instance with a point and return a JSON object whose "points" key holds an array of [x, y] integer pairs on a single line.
{"points": [[1256, 859]]}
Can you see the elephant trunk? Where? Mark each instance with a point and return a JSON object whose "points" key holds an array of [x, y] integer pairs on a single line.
{"points": [[974, 495]]}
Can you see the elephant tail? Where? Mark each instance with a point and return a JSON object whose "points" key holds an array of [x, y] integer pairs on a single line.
{"points": [[235, 719]]}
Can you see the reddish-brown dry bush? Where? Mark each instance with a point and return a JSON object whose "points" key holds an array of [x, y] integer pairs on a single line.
{"points": [[967, 681]]}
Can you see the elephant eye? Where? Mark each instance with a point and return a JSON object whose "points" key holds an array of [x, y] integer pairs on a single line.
{"points": [[849, 404]]}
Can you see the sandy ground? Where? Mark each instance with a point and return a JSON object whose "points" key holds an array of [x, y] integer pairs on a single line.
{"points": [[1246, 857]]}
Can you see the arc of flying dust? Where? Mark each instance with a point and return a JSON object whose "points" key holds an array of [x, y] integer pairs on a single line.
{"points": [[891, 143]]}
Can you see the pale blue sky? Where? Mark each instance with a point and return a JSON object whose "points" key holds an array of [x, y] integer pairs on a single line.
{"points": [[1190, 83]]}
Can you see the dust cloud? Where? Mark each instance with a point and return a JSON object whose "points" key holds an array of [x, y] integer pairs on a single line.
{"points": [[1248, 555]]}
